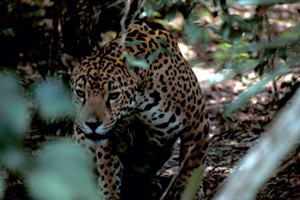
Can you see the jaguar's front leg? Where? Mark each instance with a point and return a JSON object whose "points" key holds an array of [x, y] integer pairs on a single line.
{"points": [[109, 170], [107, 163], [193, 151]]}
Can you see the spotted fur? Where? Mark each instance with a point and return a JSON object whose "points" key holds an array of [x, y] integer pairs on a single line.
{"points": [[130, 116]]}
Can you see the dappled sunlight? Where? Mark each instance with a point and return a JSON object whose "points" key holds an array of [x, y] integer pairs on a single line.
{"points": [[245, 57], [187, 51], [203, 74]]}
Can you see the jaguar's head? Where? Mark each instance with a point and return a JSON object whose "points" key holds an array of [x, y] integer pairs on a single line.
{"points": [[103, 92]]}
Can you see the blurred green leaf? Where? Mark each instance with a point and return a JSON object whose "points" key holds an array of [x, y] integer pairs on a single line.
{"points": [[2, 184], [253, 90], [14, 118], [213, 28], [250, 64], [9, 32], [162, 22], [204, 40], [167, 51], [133, 43], [292, 33], [13, 111], [54, 100], [153, 55], [192, 33], [36, 2], [14, 158], [162, 41], [232, 57], [63, 172], [132, 61], [264, 2], [140, 63], [148, 8], [171, 14], [11, 6], [160, 4], [289, 37]]}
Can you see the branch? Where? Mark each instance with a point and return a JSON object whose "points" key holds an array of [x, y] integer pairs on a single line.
{"points": [[127, 8], [263, 159]]}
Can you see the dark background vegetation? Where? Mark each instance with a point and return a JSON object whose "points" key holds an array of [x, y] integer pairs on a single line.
{"points": [[252, 47]]}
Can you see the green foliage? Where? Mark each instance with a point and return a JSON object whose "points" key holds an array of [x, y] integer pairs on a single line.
{"points": [[2, 185], [62, 172], [279, 47], [243, 47], [13, 122], [230, 56], [241, 100], [265, 2], [54, 173], [54, 100], [14, 113], [193, 33], [168, 8], [37, 32], [132, 61]]}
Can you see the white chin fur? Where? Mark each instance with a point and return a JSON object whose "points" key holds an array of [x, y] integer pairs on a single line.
{"points": [[97, 143], [100, 130]]}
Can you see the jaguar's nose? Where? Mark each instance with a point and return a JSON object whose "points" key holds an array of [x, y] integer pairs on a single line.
{"points": [[94, 125]]}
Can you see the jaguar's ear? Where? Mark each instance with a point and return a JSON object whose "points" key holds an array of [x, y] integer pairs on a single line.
{"points": [[69, 61]]}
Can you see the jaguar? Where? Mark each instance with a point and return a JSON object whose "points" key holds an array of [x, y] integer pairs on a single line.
{"points": [[129, 116]]}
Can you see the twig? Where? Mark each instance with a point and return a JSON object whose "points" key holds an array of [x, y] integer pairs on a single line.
{"points": [[288, 163], [176, 176], [261, 161], [271, 60], [123, 29]]}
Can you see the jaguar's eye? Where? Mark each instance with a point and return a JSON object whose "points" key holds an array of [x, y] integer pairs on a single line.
{"points": [[80, 93], [114, 96]]}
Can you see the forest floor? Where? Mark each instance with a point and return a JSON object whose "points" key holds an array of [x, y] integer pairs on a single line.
{"points": [[230, 137]]}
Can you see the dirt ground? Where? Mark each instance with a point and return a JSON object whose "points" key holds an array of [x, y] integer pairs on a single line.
{"points": [[230, 137]]}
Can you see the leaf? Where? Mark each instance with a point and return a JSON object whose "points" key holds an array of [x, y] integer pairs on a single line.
{"points": [[265, 2], [171, 14], [153, 55], [162, 22], [192, 33], [292, 33], [167, 51], [9, 32], [250, 64], [2, 185], [63, 172], [54, 100], [133, 43], [140, 63], [13, 157], [13, 111], [241, 100], [148, 8], [213, 28], [131, 61], [161, 4], [162, 41]]}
